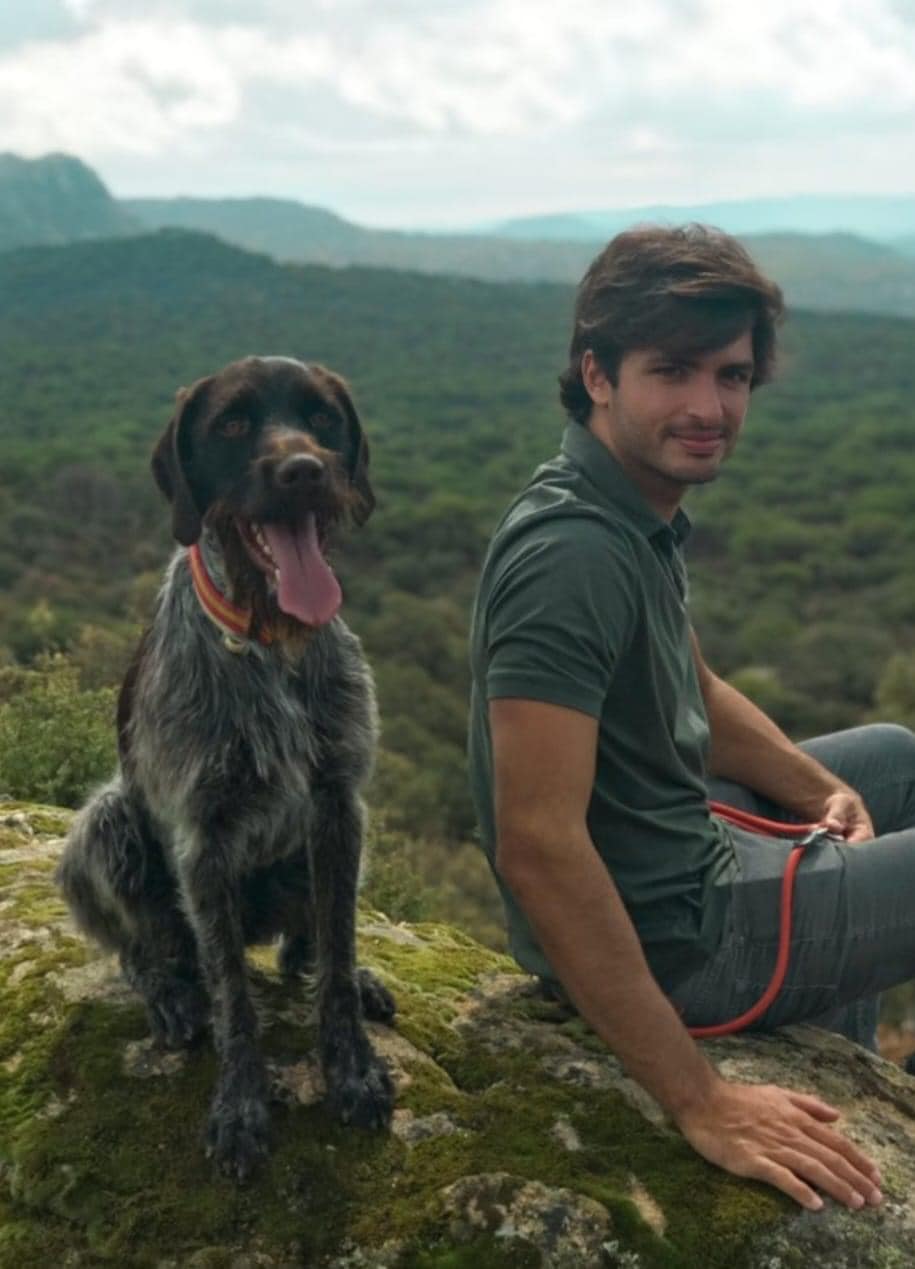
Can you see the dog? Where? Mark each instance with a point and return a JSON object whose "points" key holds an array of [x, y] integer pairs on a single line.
{"points": [[246, 731]]}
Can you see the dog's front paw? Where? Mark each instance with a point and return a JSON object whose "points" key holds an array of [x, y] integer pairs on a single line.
{"points": [[364, 1097], [378, 1005], [295, 956], [178, 1013], [237, 1137]]}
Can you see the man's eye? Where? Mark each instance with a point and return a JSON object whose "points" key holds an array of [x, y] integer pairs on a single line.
{"points": [[234, 428], [670, 370]]}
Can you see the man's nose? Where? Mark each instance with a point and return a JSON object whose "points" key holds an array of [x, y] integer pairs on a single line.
{"points": [[704, 402]]}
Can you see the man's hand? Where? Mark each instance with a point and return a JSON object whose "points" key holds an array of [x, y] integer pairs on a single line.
{"points": [[845, 814], [771, 1134], [748, 748]]}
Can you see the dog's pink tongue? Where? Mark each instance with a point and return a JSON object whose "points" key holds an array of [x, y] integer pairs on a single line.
{"points": [[306, 587]]}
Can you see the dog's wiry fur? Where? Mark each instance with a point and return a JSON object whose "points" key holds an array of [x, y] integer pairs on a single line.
{"points": [[235, 815]]}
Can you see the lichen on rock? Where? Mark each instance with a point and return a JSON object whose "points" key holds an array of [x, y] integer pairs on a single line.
{"points": [[518, 1139]]}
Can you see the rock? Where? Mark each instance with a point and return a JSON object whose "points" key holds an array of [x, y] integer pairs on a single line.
{"points": [[563, 1133], [412, 1128], [517, 1141], [566, 1229]]}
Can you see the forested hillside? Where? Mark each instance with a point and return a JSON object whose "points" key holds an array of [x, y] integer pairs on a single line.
{"points": [[803, 556]]}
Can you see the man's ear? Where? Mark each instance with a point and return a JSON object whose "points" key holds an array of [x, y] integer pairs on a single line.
{"points": [[169, 471], [598, 384], [357, 450]]}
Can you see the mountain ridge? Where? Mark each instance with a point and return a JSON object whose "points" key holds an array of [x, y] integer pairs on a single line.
{"points": [[59, 198], [882, 217], [56, 199]]}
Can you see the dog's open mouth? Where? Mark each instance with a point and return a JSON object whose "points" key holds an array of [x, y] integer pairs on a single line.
{"points": [[291, 557]]}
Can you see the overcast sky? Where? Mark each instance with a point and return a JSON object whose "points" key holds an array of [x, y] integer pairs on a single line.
{"points": [[420, 112]]}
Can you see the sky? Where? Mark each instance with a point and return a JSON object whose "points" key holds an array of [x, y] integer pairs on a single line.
{"points": [[420, 113]]}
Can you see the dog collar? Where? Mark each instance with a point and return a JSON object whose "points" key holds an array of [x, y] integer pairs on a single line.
{"points": [[234, 622]]}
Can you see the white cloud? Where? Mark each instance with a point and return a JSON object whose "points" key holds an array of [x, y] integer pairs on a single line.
{"points": [[141, 73], [171, 79]]}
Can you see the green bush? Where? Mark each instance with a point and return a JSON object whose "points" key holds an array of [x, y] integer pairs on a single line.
{"points": [[56, 741], [423, 879], [392, 883]]}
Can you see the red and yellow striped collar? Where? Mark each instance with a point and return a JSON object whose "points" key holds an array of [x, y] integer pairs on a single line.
{"points": [[234, 622]]}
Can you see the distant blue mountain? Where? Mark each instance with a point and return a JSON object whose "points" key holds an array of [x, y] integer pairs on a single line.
{"points": [[883, 218]]}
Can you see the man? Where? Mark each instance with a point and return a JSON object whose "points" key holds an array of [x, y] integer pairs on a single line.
{"points": [[595, 725]]}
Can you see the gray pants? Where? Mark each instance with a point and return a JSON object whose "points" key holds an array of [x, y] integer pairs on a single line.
{"points": [[853, 932]]}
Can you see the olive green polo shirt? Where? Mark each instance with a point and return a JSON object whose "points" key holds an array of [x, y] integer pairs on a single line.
{"points": [[582, 603]]}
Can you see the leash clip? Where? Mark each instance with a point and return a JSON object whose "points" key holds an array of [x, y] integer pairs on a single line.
{"points": [[234, 644], [819, 833]]}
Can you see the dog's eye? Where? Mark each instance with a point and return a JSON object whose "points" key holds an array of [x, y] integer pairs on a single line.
{"points": [[233, 428], [321, 422]]}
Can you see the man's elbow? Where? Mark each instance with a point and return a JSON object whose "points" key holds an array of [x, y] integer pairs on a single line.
{"points": [[509, 857], [525, 854]]}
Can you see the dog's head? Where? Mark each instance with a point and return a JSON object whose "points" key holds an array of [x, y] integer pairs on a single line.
{"points": [[269, 453]]}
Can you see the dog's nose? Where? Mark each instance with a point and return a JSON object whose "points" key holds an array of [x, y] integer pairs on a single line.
{"points": [[300, 470]]}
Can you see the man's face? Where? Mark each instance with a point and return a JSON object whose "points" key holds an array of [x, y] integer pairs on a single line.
{"points": [[671, 420]]}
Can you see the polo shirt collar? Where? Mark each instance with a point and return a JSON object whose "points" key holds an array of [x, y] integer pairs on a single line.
{"points": [[600, 468]]}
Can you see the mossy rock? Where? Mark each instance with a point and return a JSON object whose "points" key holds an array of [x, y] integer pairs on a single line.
{"points": [[517, 1139]]}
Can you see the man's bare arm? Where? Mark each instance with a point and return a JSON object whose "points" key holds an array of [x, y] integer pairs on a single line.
{"points": [[544, 761], [749, 748]]}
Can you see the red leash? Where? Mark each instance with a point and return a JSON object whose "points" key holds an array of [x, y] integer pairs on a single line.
{"points": [[773, 828]]}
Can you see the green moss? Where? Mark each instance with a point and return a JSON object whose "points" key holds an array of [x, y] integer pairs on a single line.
{"points": [[25, 1244], [892, 1258], [96, 1159], [123, 1163], [510, 1116], [131, 1149], [49, 821], [447, 963], [489, 1252], [30, 1014], [430, 980], [36, 903]]}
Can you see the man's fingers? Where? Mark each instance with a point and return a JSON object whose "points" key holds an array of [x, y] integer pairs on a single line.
{"points": [[831, 1172], [832, 1178], [841, 1145], [846, 815], [785, 1180], [785, 1139], [813, 1105], [860, 834], [823, 1113]]}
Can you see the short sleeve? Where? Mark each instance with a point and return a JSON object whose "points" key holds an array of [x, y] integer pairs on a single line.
{"points": [[561, 611]]}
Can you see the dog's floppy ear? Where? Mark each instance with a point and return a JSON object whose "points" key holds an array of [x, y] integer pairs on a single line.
{"points": [[358, 453], [168, 468], [366, 504]]}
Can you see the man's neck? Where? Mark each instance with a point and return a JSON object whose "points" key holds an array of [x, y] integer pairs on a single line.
{"points": [[662, 495]]}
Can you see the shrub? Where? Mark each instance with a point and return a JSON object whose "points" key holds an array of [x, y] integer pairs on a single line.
{"points": [[56, 741], [392, 883]]}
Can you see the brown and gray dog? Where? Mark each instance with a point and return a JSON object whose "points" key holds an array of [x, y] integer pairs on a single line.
{"points": [[246, 728]]}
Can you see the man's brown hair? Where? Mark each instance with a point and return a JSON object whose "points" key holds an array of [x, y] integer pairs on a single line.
{"points": [[686, 290]]}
